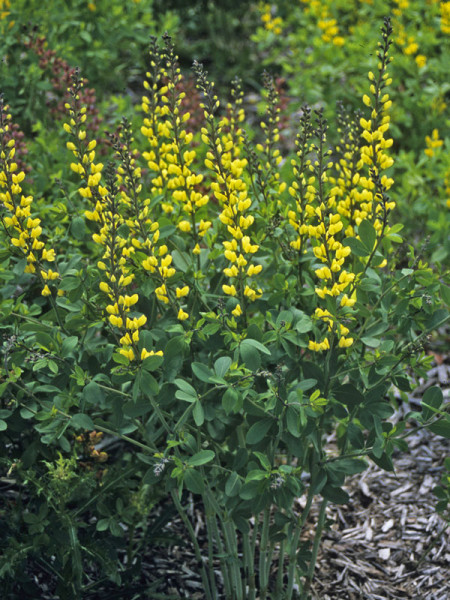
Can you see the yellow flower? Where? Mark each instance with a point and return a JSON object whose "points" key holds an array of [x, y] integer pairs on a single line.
{"points": [[421, 60], [181, 292], [237, 312], [182, 316], [230, 290], [184, 226], [432, 142]]}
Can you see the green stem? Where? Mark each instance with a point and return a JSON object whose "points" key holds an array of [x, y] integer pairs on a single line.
{"points": [[194, 541], [231, 546], [296, 537], [280, 573], [249, 567], [316, 543], [214, 511], [263, 556]]}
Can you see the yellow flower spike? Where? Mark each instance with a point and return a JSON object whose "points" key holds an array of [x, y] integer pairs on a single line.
{"points": [[46, 291]]}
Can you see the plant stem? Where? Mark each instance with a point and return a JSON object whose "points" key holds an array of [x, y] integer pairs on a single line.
{"points": [[249, 566], [212, 511], [280, 573], [231, 546], [193, 537], [263, 556], [316, 543], [295, 538]]}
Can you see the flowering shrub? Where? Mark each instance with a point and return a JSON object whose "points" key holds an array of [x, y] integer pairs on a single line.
{"points": [[324, 37], [217, 311]]}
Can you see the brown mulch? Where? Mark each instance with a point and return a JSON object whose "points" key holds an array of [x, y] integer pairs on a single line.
{"points": [[389, 542]]}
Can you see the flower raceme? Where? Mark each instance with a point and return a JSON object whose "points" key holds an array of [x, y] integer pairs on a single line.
{"points": [[218, 213], [22, 230], [115, 251], [230, 189]]}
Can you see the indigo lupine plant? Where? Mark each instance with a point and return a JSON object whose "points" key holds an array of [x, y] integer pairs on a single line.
{"points": [[225, 308]]}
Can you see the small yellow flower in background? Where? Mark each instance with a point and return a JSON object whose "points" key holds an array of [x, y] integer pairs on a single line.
{"points": [[445, 17], [421, 60], [91, 6], [432, 143], [411, 48]]}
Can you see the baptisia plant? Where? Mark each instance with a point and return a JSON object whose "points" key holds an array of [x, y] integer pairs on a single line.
{"points": [[223, 310]]}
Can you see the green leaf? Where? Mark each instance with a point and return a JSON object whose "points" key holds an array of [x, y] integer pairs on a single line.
{"points": [[202, 372], [151, 363], [185, 396], [445, 293], [434, 398], [250, 357], [222, 365], [306, 384], [348, 395], [198, 414], [78, 228], [174, 356], [349, 466], [82, 421], [185, 387], [265, 463], [441, 427], [201, 458], [149, 386], [438, 318], [68, 345], [255, 344], [258, 431], [304, 324], [250, 490], [367, 233], [3, 425], [335, 494], [371, 342], [69, 283], [358, 249], [293, 421], [92, 393], [102, 525], [230, 400], [233, 485], [180, 260]]}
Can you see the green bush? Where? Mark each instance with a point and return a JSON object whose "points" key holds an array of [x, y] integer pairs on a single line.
{"points": [[322, 50], [214, 311]]}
